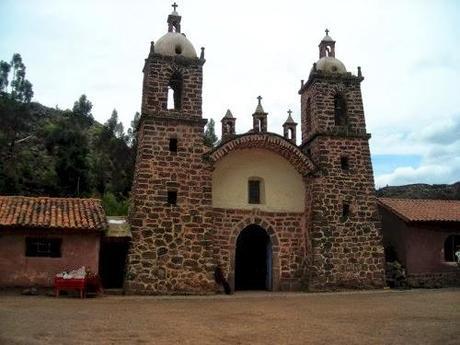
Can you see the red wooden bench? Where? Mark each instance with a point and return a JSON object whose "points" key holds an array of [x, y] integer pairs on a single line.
{"points": [[70, 284]]}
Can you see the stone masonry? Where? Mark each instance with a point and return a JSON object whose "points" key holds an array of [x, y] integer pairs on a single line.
{"points": [[179, 237], [347, 249]]}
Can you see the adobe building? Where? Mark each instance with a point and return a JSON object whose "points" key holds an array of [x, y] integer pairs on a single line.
{"points": [[275, 215], [41, 236], [423, 235]]}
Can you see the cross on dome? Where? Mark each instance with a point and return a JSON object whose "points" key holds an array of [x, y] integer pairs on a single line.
{"points": [[327, 32], [175, 6]]}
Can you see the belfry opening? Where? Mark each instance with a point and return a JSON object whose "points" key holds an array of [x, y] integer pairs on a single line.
{"points": [[253, 259]]}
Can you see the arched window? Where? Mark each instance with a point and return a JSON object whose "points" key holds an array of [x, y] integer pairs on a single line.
{"points": [[175, 92], [340, 109], [451, 246]]}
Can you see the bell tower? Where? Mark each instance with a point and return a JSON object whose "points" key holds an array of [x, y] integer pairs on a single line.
{"points": [[172, 184], [344, 224]]}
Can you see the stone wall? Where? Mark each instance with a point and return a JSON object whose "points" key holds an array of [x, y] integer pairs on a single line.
{"points": [[319, 92], [158, 71], [435, 279], [287, 235], [347, 249], [171, 250]]}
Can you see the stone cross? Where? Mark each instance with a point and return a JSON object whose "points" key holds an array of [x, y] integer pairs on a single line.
{"points": [[259, 98], [289, 112], [175, 6], [327, 32]]}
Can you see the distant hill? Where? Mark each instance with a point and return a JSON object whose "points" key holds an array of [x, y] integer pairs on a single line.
{"points": [[422, 191]]}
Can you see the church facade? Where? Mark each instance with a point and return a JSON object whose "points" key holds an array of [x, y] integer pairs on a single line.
{"points": [[274, 215]]}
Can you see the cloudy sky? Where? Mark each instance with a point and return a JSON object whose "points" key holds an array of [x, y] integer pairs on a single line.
{"points": [[408, 50]]}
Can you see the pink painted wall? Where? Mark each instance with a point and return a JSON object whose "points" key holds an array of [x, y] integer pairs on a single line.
{"points": [[420, 248], [394, 232], [80, 249], [425, 247]]}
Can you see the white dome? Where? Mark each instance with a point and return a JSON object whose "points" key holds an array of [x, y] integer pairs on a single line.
{"points": [[330, 64], [174, 43]]}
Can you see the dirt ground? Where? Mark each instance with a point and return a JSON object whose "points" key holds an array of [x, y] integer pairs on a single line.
{"points": [[376, 317]]}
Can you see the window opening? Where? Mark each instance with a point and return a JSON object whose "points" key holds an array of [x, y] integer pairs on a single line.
{"points": [[345, 211], [451, 247], [173, 145], [254, 191], [175, 92], [172, 197], [308, 115], [43, 247], [170, 98], [344, 163], [340, 110]]}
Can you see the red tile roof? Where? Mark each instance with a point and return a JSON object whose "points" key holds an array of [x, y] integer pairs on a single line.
{"points": [[52, 213], [422, 210]]}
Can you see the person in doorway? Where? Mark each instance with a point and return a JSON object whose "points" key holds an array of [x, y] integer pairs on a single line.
{"points": [[220, 279]]}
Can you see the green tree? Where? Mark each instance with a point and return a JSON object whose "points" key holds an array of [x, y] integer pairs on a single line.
{"points": [[115, 127], [5, 68], [132, 132], [21, 88], [210, 137], [82, 111], [69, 145]]}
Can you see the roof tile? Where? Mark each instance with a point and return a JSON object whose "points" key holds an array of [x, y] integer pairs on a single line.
{"points": [[423, 210], [52, 213]]}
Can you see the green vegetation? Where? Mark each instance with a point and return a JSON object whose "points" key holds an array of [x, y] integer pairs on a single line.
{"points": [[53, 152], [210, 137]]}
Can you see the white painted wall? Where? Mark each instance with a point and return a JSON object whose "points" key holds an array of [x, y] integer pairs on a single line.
{"points": [[283, 185]]}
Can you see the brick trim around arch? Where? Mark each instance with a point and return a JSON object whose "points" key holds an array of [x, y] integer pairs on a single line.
{"points": [[269, 141]]}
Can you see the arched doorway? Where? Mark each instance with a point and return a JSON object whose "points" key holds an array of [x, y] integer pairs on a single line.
{"points": [[253, 259]]}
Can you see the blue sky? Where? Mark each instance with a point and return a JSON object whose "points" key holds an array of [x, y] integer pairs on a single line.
{"points": [[408, 50]]}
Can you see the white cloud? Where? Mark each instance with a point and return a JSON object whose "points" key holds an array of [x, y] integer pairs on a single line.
{"points": [[439, 146], [410, 63]]}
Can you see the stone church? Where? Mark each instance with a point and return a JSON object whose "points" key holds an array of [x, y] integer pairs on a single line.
{"points": [[273, 214]]}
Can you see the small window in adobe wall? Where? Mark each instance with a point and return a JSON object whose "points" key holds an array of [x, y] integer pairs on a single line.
{"points": [[43, 247]]}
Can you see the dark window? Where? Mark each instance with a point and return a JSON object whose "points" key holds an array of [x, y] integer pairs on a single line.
{"points": [[451, 246], [345, 211], [43, 247], [344, 163], [172, 197], [340, 108], [173, 144], [308, 115], [175, 92], [254, 191]]}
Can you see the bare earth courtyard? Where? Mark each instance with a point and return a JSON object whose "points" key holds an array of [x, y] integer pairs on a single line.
{"points": [[376, 317]]}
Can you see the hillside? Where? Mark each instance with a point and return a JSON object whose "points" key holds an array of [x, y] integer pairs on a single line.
{"points": [[422, 191], [54, 152]]}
